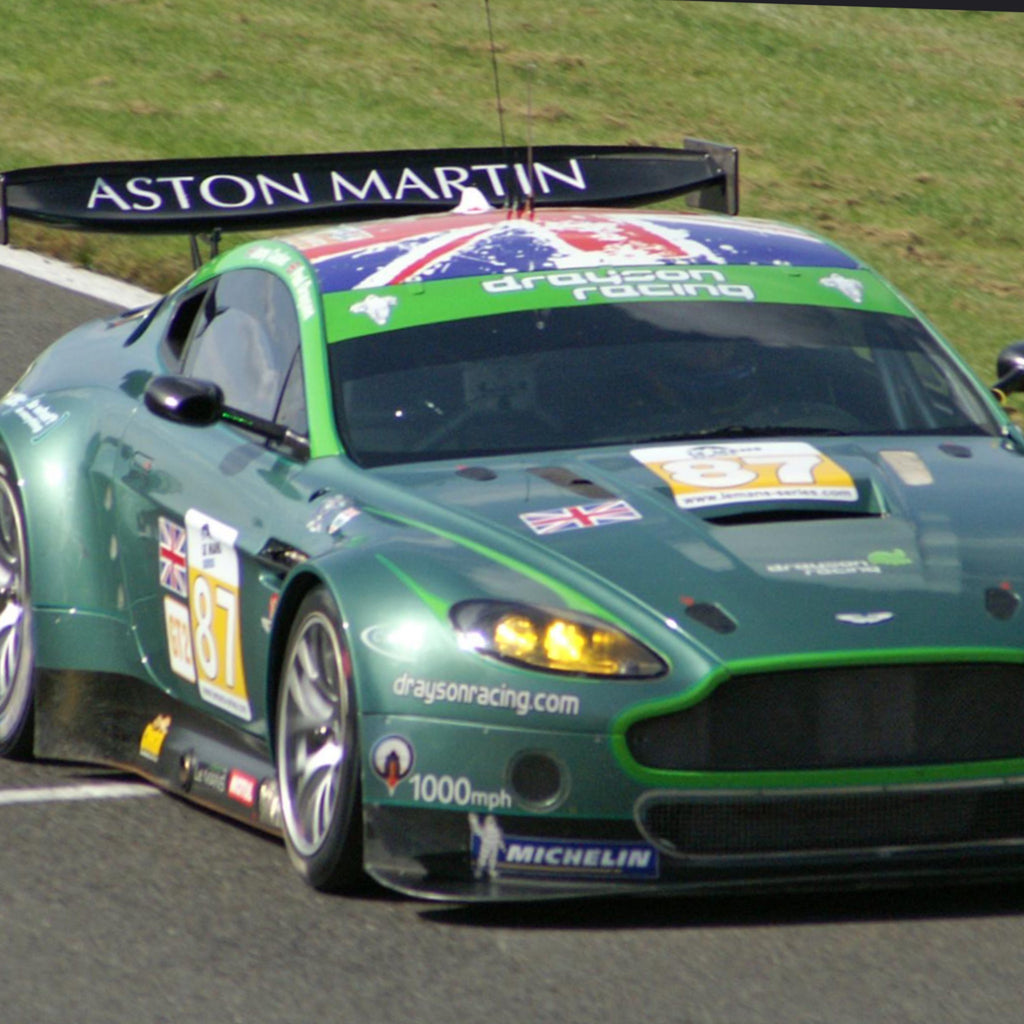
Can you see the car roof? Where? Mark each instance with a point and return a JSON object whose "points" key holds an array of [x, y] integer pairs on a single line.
{"points": [[444, 246]]}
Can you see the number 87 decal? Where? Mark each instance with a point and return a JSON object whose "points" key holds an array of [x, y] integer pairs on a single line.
{"points": [[703, 475], [215, 623]]}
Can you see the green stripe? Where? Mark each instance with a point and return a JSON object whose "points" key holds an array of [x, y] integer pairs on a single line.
{"points": [[463, 298]]}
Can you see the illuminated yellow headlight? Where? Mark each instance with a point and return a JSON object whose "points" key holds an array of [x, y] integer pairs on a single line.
{"points": [[554, 642], [515, 636]]}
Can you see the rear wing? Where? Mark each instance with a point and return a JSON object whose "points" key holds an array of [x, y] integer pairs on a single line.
{"points": [[212, 194]]}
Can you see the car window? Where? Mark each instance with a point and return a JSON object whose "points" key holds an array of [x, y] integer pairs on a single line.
{"points": [[636, 373], [245, 337]]}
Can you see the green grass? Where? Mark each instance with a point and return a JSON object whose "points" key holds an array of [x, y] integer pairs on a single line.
{"points": [[895, 131]]}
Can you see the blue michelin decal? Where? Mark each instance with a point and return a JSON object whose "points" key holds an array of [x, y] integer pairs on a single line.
{"points": [[496, 855]]}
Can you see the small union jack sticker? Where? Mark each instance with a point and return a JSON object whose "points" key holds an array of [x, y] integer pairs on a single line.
{"points": [[580, 517], [173, 560]]}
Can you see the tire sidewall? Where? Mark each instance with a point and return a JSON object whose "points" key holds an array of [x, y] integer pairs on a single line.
{"points": [[17, 714], [336, 863]]}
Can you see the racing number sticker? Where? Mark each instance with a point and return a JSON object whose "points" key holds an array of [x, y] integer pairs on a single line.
{"points": [[214, 613], [701, 475]]}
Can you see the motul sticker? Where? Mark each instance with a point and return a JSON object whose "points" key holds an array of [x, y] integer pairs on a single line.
{"points": [[704, 475]]}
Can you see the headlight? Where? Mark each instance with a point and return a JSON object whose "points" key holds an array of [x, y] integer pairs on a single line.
{"points": [[552, 641]]}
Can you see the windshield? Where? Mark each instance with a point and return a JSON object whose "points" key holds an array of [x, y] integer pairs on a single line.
{"points": [[634, 373]]}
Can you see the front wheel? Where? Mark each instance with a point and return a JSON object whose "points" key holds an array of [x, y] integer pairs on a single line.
{"points": [[17, 653], [317, 749]]}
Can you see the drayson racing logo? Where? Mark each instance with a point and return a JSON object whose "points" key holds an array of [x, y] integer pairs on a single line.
{"points": [[523, 702], [623, 285]]}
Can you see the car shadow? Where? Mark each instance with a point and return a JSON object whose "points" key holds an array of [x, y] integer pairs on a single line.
{"points": [[953, 901]]}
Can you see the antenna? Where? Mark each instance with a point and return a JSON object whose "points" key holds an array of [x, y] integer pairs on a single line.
{"points": [[528, 203], [494, 67], [512, 200]]}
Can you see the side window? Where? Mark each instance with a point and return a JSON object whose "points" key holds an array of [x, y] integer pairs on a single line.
{"points": [[188, 318], [245, 337]]}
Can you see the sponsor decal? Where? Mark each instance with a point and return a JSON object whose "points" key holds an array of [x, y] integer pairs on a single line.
{"points": [[377, 307], [580, 517], [895, 557], [266, 621], [909, 467], [502, 697], [269, 800], [333, 514], [875, 563], [496, 855], [34, 413], [303, 289], [211, 776], [628, 285], [847, 286], [214, 613], [242, 787], [271, 256], [153, 737], [178, 625], [392, 758], [703, 475], [838, 567], [449, 791], [243, 191]]}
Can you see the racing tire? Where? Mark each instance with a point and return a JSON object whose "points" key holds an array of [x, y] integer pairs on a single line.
{"points": [[17, 647], [317, 750]]}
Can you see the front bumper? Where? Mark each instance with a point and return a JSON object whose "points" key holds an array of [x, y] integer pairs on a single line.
{"points": [[463, 812]]}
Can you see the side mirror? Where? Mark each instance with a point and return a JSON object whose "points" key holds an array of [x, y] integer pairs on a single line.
{"points": [[200, 403], [1010, 368], [193, 403]]}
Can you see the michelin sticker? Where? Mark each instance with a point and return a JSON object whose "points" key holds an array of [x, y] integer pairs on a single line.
{"points": [[496, 855]]}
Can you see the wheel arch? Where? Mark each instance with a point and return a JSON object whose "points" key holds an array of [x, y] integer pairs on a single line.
{"points": [[57, 479]]}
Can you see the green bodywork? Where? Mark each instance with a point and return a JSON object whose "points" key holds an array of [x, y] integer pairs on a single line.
{"points": [[98, 471]]}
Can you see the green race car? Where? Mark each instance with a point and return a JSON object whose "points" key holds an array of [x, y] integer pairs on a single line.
{"points": [[496, 538]]}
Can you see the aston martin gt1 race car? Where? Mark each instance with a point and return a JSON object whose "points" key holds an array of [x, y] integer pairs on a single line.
{"points": [[496, 537]]}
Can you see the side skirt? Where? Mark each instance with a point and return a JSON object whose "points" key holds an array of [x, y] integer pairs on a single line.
{"points": [[125, 723]]}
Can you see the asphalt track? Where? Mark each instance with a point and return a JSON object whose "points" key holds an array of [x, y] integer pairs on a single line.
{"points": [[121, 904]]}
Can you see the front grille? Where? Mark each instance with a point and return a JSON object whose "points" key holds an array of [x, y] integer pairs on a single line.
{"points": [[868, 716], [788, 822]]}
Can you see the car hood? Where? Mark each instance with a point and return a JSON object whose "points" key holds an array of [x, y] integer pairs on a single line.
{"points": [[909, 544]]}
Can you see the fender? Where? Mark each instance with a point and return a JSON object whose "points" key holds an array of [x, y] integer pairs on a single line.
{"points": [[44, 429]]}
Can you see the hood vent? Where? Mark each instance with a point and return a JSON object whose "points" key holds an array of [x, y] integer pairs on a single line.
{"points": [[764, 516], [562, 477]]}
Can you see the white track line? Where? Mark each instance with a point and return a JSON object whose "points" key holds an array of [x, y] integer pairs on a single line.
{"points": [[75, 279], [86, 791]]}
